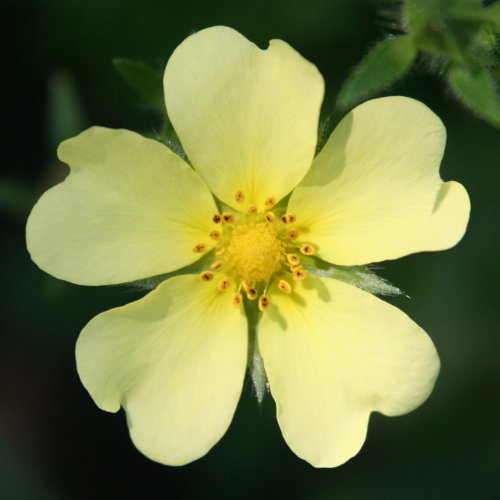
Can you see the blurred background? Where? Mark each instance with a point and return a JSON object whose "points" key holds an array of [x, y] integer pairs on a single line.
{"points": [[54, 442]]}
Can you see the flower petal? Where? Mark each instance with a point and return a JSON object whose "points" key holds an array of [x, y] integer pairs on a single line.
{"points": [[334, 353], [247, 118], [129, 209], [175, 360], [374, 192]]}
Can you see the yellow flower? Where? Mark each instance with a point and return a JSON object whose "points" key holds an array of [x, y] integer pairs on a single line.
{"points": [[131, 209]]}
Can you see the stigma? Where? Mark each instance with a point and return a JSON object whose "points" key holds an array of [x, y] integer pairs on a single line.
{"points": [[257, 253]]}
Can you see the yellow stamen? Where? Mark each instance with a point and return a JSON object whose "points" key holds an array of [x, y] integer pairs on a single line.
{"points": [[239, 196], [307, 249], [293, 259], [199, 248], [264, 303], [288, 218], [215, 235], [270, 217], [293, 234], [252, 210], [284, 286], [252, 293], [207, 276], [270, 202], [220, 251], [217, 218], [217, 264], [300, 274], [228, 217], [236, 299], [224, 284]]}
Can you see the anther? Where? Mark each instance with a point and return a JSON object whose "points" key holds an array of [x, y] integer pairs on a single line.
{"points": [[220, 251], [239, 196], [224, 284], [270, 217], [252, 293], [236, 299], [293, 234], [216, 218], [300, 274], [214, 234], [284, 286], [288, 218], [307, 249], [252, 210], [293, 259], [228, 217], [217, 264], [207, 276], [199, 248], [270, 202], [245, 285], [264, 303]]}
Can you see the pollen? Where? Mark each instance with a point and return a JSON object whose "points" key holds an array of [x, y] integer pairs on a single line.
{"points": [[199, 248], [207, 276], [236, 300], [264, 303], [239, 196], [255, 252], [288, 218], [270, 202], [224, 284], [300, 274], [252, 210], [284, 286], [228, 217], [307, 249], [215, 235], [293, 234], [270, 217]]}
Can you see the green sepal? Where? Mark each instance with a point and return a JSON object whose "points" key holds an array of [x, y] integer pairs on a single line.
{"points": [[146, 82], [475, 87], [383, 65], [359, 276], [255, 362]]}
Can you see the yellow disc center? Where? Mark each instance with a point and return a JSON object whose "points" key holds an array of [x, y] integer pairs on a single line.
{"points": [[255, 251]]}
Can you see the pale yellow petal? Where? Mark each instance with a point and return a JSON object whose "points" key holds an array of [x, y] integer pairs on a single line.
{"points": [[334, 353], [175, 360], [129, 209], [247, 117], [374, 192]]}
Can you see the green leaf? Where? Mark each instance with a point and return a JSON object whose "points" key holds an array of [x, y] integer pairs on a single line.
{"points": [[383, 65], [476, 88], [145, 81]]}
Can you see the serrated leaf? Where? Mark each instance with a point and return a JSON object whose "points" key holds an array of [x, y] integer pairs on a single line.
{"points": [[382, 66], [475, 87], [146, 82]]}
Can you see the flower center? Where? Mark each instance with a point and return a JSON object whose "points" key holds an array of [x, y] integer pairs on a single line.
{"points": [[255, 251]]}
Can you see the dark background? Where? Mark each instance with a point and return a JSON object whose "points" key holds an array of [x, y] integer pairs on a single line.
{"points": [[55, 443]]}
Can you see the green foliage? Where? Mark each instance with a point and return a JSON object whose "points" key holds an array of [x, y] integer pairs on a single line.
{"points": [[460, 37], [475, 87], [383, 65], [146, 82]]}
